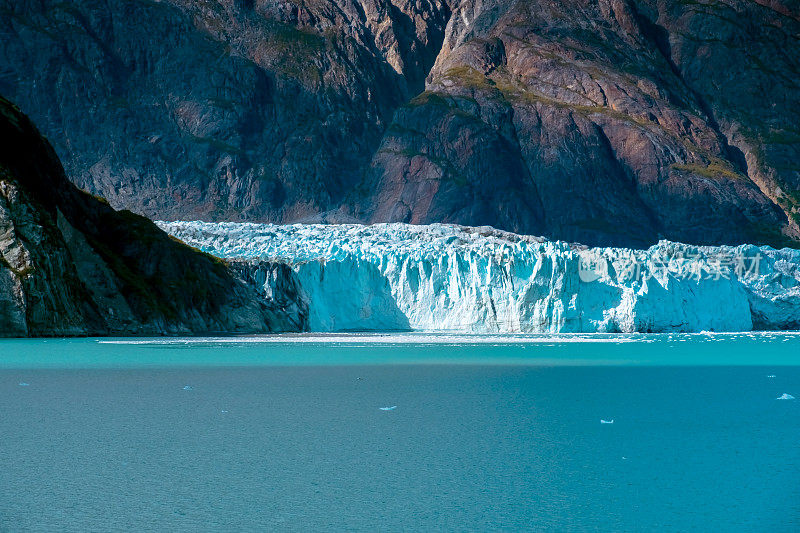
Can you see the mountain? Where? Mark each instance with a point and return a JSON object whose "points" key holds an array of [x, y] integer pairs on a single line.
{"points": [[607, 122], [72, 265]]}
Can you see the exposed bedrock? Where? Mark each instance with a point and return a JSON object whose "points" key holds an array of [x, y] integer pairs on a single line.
{"points": [[610, 122]]}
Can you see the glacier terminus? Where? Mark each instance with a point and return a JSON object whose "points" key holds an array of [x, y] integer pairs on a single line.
{"points": [[444, 277]]}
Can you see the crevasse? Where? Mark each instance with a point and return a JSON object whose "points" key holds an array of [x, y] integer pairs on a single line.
{"points": [[453, 278]]}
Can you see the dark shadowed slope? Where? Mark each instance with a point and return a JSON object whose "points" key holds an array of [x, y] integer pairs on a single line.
{"points": [[72, 265]]}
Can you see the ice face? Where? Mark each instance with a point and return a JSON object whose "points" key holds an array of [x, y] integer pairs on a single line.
{"points": [[451, 278]]}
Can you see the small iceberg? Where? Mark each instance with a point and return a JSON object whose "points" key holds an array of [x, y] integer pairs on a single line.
{"points": [[607, 421], [785, 396], [187, 387], [392, 408]]}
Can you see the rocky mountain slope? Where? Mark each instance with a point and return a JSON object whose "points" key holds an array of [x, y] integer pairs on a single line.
{"points": [[72, 265], [605, 122]]}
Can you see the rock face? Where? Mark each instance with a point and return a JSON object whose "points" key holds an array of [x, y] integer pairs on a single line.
{"points": [[481, 280], [608, 122], [604, 122], [234, 109], [72, 265]]}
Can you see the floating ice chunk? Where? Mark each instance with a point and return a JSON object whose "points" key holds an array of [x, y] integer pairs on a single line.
{"points": [[23, 384], [187, 387], [785, 396], [607, 421], [392, 408]]}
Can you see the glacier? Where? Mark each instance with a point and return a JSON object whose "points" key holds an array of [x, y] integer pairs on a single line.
{"points": [[443, 277]]}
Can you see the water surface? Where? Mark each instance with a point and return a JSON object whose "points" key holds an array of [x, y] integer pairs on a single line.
{"points": [[488, 433]]}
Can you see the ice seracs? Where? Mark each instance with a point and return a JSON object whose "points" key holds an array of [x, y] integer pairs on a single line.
{"points": [[451, 278]]}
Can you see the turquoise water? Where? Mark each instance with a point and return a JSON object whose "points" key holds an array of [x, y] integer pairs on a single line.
{"points": [[487, 433], [385, 349]]}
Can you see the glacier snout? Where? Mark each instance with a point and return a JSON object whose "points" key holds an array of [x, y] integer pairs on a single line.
{"points": [[451, 278]]}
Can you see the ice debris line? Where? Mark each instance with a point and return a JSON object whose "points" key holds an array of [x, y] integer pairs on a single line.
{"points": [[453, 278]]}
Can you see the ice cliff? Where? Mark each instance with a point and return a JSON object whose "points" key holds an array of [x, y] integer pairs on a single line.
{"points": [[453, 278]]}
